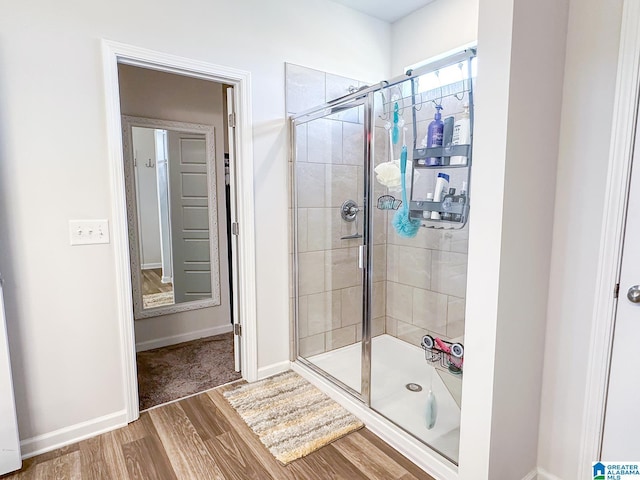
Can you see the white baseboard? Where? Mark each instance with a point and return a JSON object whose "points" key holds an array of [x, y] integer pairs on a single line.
{"points": [[66, 436], [532, 475], [544, 475], [432, 463], [183, 337], [273, 369], [150, 266]]}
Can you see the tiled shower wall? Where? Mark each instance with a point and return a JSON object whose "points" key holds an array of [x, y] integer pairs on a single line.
{"points": [[329, 172], [419, 283], [427, 275]]}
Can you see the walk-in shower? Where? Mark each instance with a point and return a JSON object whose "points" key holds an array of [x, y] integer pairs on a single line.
{"points": [[379, 309]]}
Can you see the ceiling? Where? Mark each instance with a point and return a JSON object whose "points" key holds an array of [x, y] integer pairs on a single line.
{"points": [[386, 10]]}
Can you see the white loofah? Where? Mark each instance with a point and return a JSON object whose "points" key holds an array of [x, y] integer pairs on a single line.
{"points": [[388, 174]]}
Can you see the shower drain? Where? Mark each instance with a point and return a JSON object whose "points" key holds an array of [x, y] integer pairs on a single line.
{"points": [[413, 387]]}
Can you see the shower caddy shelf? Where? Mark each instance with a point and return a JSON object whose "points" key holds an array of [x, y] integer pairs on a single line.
{"points": [[449, 355], [418, 206]]}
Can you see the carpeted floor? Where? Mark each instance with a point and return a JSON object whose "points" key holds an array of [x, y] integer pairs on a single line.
{"points": [[176, 371]]}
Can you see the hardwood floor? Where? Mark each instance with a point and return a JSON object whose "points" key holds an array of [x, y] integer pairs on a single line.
{"points": [[202, 437], [152, 282]]}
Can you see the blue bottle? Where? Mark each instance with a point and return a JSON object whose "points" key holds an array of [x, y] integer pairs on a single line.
{"points": [[435, 134]]}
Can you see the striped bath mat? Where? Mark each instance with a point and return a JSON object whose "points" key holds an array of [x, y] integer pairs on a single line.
{"points": [[291, 417]]}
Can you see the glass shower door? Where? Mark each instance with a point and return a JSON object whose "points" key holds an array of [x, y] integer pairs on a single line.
{"points": [[330, 216], [417, 356]]}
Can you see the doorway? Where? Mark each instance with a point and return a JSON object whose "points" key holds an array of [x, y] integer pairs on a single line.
{"points": [[174, 143], [233, 88]]}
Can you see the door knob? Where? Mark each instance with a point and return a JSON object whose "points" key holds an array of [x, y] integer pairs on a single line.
{"points": [[633, 294]]}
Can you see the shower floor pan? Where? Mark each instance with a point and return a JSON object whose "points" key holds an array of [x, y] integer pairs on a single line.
{"points": [[394, 364]]}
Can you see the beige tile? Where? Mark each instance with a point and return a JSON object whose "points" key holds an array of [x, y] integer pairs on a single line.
{"points": [[460, 240], [341, 184], [455, 331], [351, 306], [379, 263], [338, 86], [391, 326], [379, 189], [358, 333], [378, 302], [305, 88], [324, 138], [380, 146], [430, 310], [303, 325], [377, 326], [340, 337], [302, 229], [326, 229], [341, 268], [409, 265], [323, 312], [310, 179], [410, 333], [319, 229], [455, 318], [439, 239], [312, 345], [360, 185], [311, 267], [301, 143], [449, 273], [380, 225], [400, 301], [347, 228], [419, 241], [353, 144]]}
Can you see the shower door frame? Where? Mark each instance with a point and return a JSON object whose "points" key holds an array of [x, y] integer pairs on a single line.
{"points": [[364, 96], [342, 104]]}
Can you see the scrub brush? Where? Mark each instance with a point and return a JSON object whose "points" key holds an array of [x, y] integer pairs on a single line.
{"points": [[403, 224]]}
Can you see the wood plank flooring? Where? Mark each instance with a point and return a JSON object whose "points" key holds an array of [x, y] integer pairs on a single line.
{"points": [[203, 437], [152, 282]]}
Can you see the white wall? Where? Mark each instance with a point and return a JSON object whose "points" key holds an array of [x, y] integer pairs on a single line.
{"points": [[436, 28], [587, 109], [520, 62], [147, 197], [159, 95], [61, 302]]}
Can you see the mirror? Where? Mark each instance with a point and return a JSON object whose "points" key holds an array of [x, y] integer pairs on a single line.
{"points": [[172, 215]]}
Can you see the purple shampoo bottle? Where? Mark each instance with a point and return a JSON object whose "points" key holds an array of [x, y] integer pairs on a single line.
{"points": [[435, 134]]}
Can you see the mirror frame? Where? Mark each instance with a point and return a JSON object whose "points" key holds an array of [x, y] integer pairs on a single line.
{"points": [[128, 122]]}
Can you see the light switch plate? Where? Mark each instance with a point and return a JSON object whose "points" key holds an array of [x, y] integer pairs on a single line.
{"points": [[88, 232]]}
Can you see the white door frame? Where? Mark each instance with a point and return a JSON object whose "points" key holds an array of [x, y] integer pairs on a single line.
{"points": [[617, 190], [113, 54]]}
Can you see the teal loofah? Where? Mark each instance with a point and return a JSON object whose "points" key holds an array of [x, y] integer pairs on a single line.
{"points": [[404, 225]]}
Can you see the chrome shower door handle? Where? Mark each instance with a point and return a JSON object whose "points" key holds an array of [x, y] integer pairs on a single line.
{"points": [[361, 256], [633, 294]]}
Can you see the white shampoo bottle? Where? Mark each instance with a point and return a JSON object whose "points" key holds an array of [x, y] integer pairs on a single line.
{"points": [[461, 135]]}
